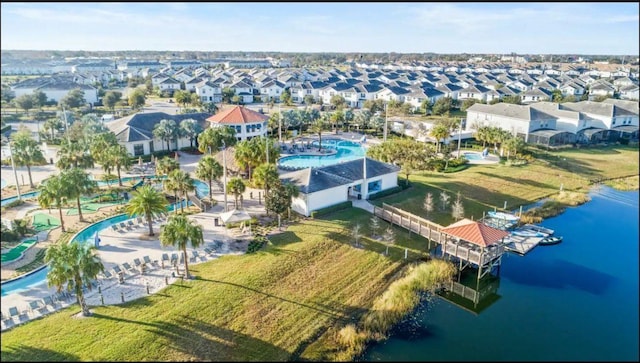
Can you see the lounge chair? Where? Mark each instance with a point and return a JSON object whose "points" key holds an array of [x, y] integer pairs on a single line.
{"points": [[23, 317], [150, 262], [140, 221], [174, 258], [123, 226], [48, 301], [8, 321], [117, 270], [34, 305], [128, 267], [115, 228], [165, 257], [13, 311], [130, 224], [107, 275], [137, 262]]}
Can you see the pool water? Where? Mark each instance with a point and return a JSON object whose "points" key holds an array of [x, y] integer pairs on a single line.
{"points": [[345, 151], [39, 278], [473, 156]]}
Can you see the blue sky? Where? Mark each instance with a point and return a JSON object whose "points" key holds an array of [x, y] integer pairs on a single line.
{"points": [[536, 28]]}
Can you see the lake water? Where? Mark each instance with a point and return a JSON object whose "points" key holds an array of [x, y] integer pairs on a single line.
{"points": [[575, 301]]}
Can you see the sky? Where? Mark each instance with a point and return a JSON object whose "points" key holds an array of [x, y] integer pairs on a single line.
{"points": [[487, 28]]}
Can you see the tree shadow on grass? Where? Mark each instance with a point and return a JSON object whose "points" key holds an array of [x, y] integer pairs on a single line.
{"points": [[25, 353], [203, 341]]}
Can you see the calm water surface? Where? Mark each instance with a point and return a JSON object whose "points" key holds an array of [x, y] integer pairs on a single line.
{"points": [[577, 300]]}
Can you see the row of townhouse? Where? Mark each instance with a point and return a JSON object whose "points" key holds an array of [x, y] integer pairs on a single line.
{"points": [[554, 124], [55, 87]]}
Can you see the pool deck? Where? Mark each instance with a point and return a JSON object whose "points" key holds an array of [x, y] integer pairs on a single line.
{"points": [[489, 159], [117, 248]]}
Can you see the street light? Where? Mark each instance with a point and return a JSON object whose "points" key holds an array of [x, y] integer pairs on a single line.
{"points": [[386, 120], [224, 161]]}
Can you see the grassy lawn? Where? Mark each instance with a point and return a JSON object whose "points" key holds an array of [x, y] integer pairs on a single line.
{"points": [[260, 307], [485, 187], [43, 222]]}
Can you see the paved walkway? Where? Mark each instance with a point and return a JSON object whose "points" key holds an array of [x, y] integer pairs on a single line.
{"points": [[117, 248], [363, 204]]}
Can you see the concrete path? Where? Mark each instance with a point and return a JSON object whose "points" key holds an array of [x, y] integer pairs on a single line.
{"points": [[363, 204]]}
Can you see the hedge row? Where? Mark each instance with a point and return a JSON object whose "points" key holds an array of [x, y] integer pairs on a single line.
{"points": [[333, 208], [384, 193]]}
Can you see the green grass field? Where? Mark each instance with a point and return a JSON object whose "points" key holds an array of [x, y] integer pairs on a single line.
{"points": [[259, 307], [43, 222]]}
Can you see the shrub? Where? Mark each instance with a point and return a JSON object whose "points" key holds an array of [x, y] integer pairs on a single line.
{"points": [[384, 193], [257, 244], [15, 203], [333, 208]]}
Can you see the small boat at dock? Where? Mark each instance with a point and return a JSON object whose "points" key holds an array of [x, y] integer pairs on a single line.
{"points": [[551, 240], [503, 216]]}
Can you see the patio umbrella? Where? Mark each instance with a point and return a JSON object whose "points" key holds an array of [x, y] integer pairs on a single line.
{"points": [[140, 160]]}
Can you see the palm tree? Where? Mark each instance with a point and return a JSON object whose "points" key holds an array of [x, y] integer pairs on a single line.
{"points": [[265, 175], [54, 192], [54, 125], [78, 183], [120, 158], [247, 154], [317, 127], [182, 182], [190, 128], [73, 265], [171, 185], [100, 145], [26, 152], [236, 187], [292, 191], [209, 169], [166, 165], [146, 201], [166, 130], [179, 231], [439, 132], [74, 154], [211, 139]]}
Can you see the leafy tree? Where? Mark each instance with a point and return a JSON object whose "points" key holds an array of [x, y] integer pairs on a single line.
{"points": [[374, 225], [514, 145], [308, 100], [209, 169], [145, 201], [457, 210], [137, 98], [355, 233], [516, 100], [362, 118], [338, 102], [26, 151], [73, 99], [389, 238], [180, 231], [78, 183], [182, 97], [227, 94], [336, 118], [236, 99], [213, 138], [285, 97], [7, 94], [53, 125], [39, 99], [24, 102], [468, 103], [409, 154], [556, 96], [54, 193], [190, 129], [166, 130], [74, 265], [374, 105], [426, 106], [110, 99], [236, 187], [278, 200], [209, 107], [274, 121], [442, 105], [428, 204], [444, 198]]}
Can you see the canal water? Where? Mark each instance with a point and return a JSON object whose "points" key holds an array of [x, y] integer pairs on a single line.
{"points": [[574, 301]]}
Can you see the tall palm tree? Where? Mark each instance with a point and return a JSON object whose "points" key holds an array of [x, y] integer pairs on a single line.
{"points": [[209, 169], [54, 192], [247, 154], [73, 265], [211, 139], [265, 175], [236, 187], [317, 127], [74, 154], [146, 201], [171, 185], [26, 152], [78, 184], [182, 182], [439, 132], [100, 145], [166, 130], [180, 231], [119, 155], [190, 128], [166, 165]]}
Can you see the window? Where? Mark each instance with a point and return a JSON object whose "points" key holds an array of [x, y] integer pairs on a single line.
{"points": [[138, 149], [374, 186]]}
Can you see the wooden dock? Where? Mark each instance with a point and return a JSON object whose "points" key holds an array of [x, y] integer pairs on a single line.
{"points": [[522, 245]]}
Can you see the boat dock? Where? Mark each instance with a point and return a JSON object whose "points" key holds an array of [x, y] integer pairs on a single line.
{"points": [[522, 245]]}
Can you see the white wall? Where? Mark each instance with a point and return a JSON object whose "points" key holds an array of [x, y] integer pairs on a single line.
{"points": [[326, 198]]}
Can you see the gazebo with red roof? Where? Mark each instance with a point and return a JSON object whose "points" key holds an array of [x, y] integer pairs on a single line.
{"points": [[246, 122], [474, 243]]}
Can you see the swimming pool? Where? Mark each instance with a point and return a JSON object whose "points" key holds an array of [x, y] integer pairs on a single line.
{"points": [[38, 278], [345, 150], [473, 156]]}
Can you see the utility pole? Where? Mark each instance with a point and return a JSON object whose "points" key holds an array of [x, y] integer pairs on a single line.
{"points": [[459, 136], [224, 161], [15, 173], [386, 120]]}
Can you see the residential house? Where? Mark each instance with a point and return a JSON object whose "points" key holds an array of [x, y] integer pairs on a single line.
{"points": [[209, 91], [247, 123]]}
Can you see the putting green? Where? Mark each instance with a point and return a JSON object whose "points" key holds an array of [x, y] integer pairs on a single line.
{"points": [[15, 252], [89, 208], [40, 222]]}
